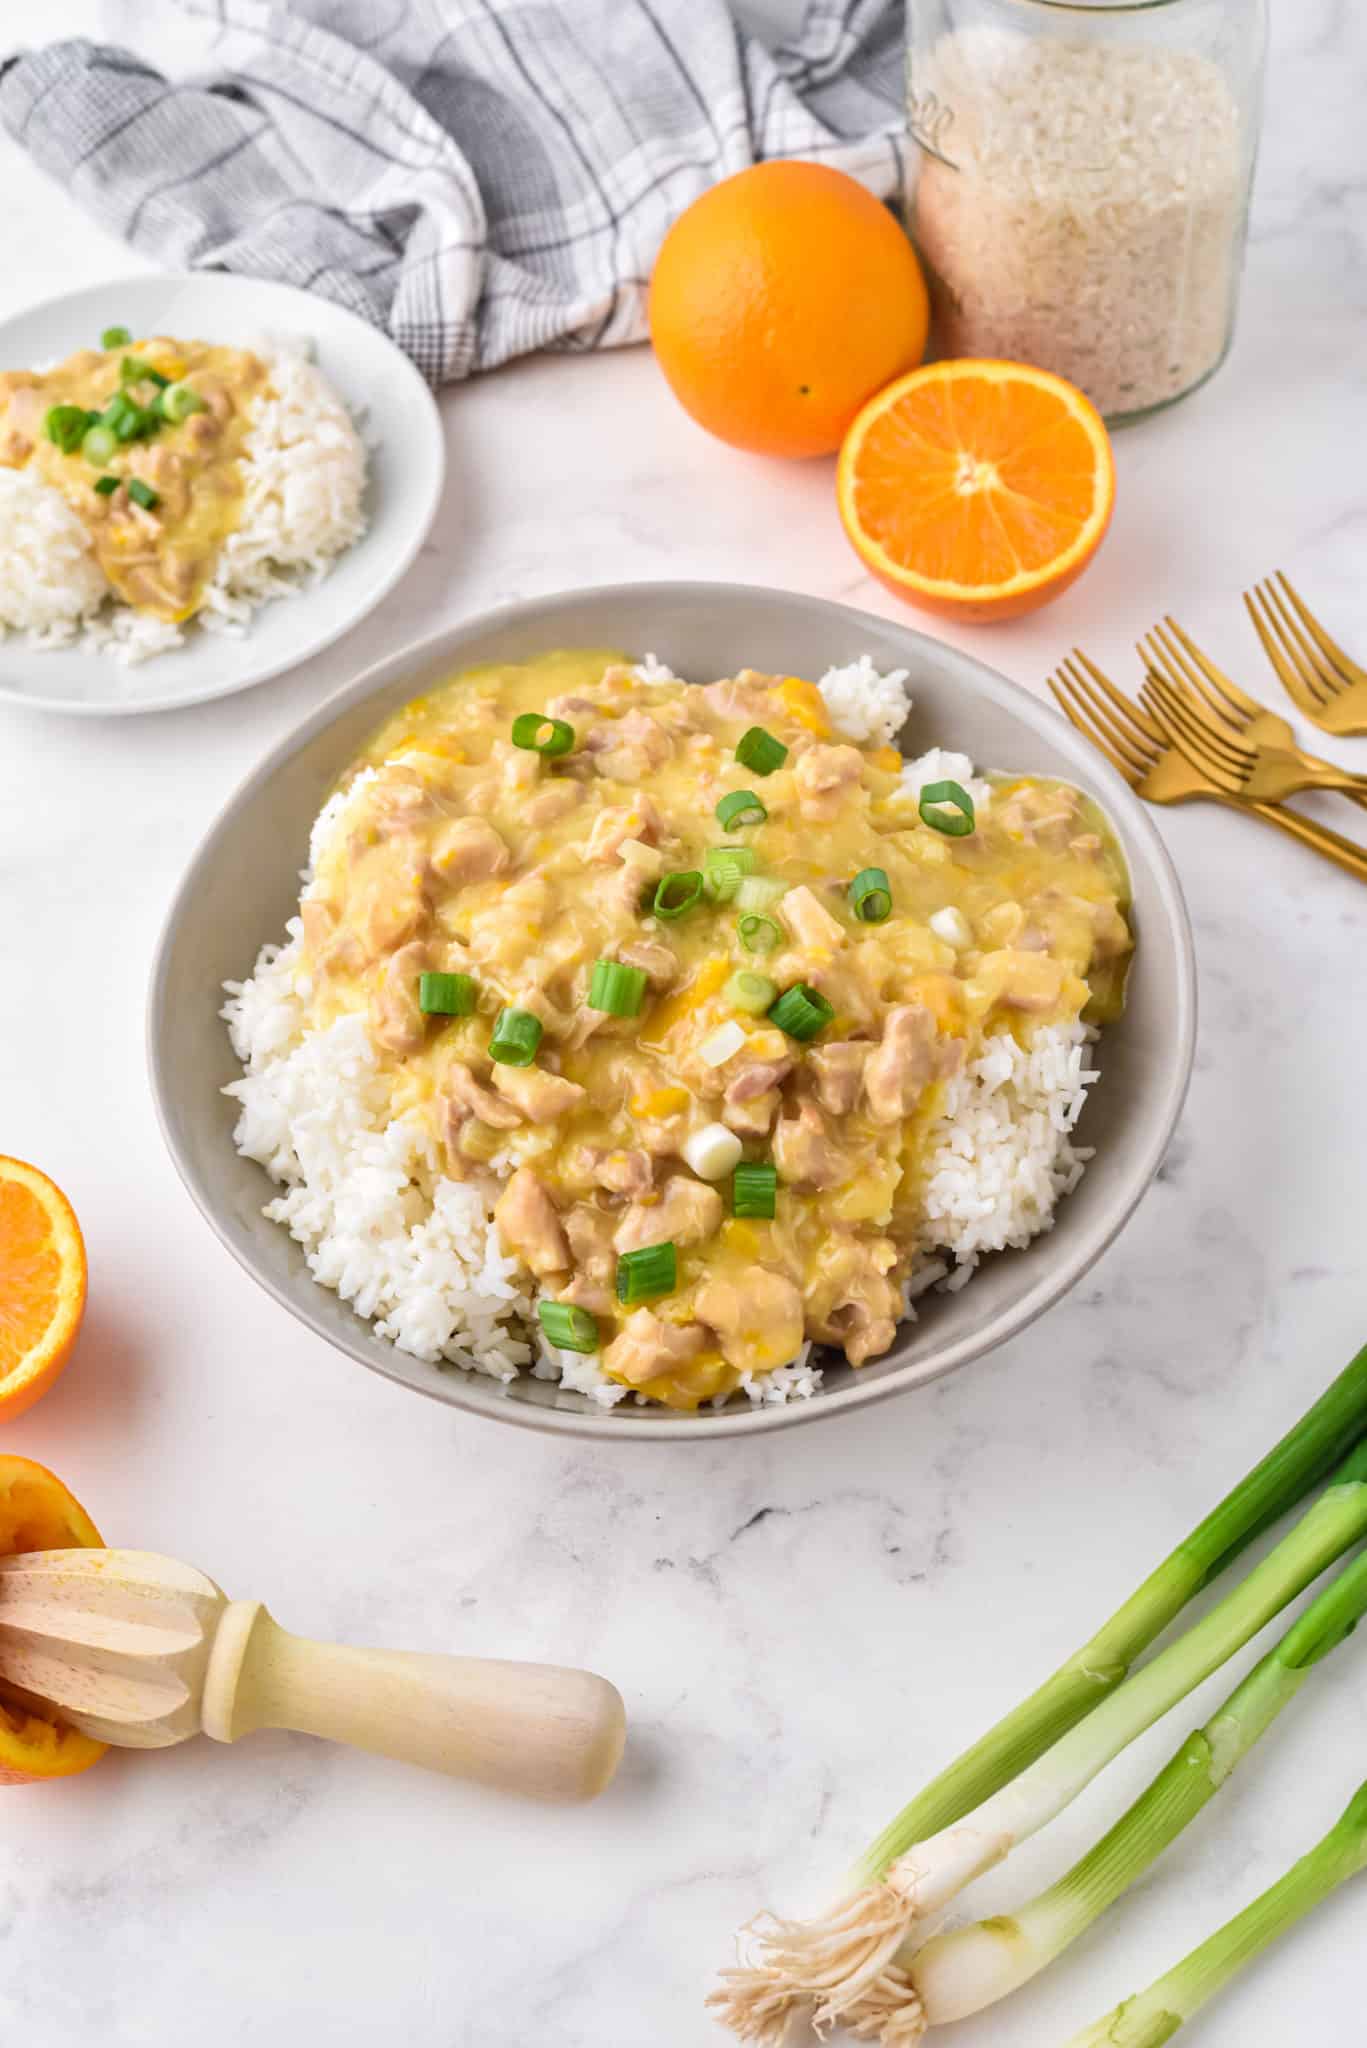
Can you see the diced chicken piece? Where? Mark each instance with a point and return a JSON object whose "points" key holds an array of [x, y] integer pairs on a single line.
{"points": [[468, 850], [1087, 846], [752, 1098], [597, 1296], [1043, 817], [757, 1318], [619, 823], [686, 1213], [897, 1071], [1026, 981], [854, 1301], [540, 1096], [529, 1226], [519, 768], [589, 1231], [201, 431], [809, 921], [217, 397], [823, 775], [804, 1153], [648, 1347], [555, 801], [754, 1118], [15, 448], [838, 1071], [746, 696], [396, 1021], [335, 947], [388, 905], [625, 1173], [659, 964], [1111, 933], [573, 707], [629, 749], [465, 1096]]}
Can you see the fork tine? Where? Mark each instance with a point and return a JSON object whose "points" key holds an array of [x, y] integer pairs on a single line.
{"points": [[1129, 731], [1311, 662], [1202, 670], [1076, 716], [1186, 730], [1348, 670], [1306, 695], [1131, 717], [1218, 741], [1165, 658]]}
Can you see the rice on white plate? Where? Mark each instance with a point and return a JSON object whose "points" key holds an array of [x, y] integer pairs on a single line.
{"points": [[305, 475], [419, 1254]]}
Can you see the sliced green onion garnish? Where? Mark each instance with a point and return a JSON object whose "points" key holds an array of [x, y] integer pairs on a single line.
{"points": [[742, 807], [955, 824], [760, 892], [133, 370], [65, 426], [801, 1011], [129, 421], [725, 868], [115, 337], [617, 988], [143, 494], [446, 995], [870, 895], [178, 401], [759, 934], [99, 444], [517, 1034], [567, 1326], [677, 892], [646, 1274], [759, 750], [752, 993], [753, 1188], [549, 736], [105, 486]]}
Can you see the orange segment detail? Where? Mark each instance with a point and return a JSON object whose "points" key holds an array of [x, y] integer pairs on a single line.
{"points": [[42, 1284], [978, 490], [37, 1513]]}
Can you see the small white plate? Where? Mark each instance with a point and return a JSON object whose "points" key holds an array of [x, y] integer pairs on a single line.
{"points": [[406, 460]]}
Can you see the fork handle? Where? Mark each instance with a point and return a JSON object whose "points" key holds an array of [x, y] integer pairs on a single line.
{"points": [[1344, 853]]}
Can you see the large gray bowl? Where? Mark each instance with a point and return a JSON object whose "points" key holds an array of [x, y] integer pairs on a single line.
{"points": [[243, 884]]}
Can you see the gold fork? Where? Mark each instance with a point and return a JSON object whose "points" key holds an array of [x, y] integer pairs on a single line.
{"points": [[1171, 653], [1316, 673], [1160, 771]]}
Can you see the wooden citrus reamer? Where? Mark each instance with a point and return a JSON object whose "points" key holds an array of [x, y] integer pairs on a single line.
{"points": [[140, 1651]]}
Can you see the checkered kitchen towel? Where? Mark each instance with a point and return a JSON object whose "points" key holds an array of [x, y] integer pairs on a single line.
{"points": [[480, 177]]}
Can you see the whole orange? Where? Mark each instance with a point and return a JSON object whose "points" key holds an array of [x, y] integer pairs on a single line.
{"points": [[781, 300]]}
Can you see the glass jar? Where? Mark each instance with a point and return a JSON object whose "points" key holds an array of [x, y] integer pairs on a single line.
{"points": [[1079, 193]]}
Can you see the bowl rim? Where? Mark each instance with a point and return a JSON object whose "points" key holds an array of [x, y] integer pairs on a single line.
{"points": [[451, 1389]]}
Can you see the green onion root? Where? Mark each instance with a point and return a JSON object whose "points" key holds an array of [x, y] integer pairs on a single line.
{"points": [[785, 1962]]}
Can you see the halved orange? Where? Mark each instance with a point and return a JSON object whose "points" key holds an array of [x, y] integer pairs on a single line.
{"points": [[37, 1513], [42, 1284], [977, 490]]}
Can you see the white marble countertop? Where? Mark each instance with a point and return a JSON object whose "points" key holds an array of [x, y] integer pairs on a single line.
{"points": [[803, 1625]]}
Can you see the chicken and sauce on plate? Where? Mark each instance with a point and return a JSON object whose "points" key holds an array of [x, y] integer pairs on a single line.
{"points": [[674, 1014]]}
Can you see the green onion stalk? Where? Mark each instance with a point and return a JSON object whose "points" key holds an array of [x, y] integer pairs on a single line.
{"points": [[957, 1974], [834, 1960], [1155, 2015]]}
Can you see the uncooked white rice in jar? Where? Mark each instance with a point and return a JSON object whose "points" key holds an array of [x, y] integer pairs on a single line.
{"points": [[1087, 214]]}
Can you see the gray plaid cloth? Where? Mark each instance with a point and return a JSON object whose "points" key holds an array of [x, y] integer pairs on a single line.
{"points": [[479, 177]]}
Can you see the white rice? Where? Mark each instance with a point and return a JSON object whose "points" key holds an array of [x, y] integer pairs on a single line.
{"points": [[419, 1254], [305, 474], [864, 704], [49, 578]]}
